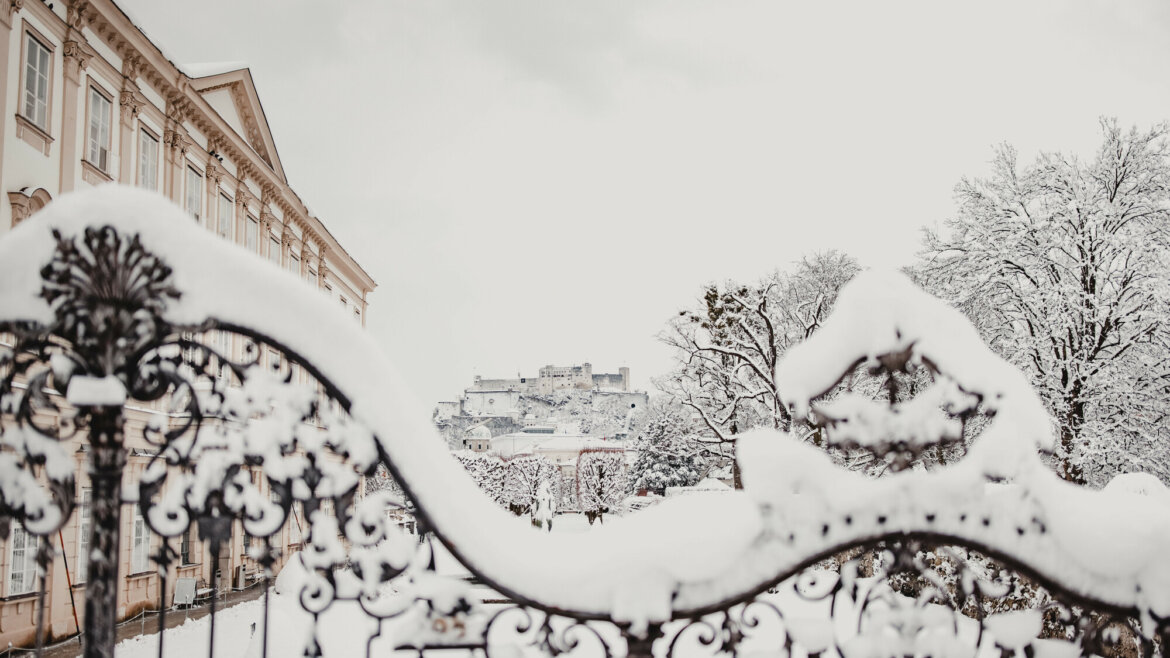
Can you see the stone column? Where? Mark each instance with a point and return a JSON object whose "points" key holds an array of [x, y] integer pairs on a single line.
{"points": [[286, 243], [306, 252], [213, 175], [8, 11], [243, 197], [130, 104], [76, 59], [322, 268], [176, 143], [267, 224]]}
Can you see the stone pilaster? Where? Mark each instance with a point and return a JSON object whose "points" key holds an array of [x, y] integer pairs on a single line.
{"points": [[77, 57], [130, 105], [268, 225], [8, 11], [322, 267], [176, 143], [213, 174]]}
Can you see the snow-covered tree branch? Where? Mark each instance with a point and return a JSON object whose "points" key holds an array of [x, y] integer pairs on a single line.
{"points": [[1062, 266]]}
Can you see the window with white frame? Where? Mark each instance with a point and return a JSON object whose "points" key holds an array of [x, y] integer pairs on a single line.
{"points": [[140, 546], [37, 59], [225, 217], [147, 160], [194, 198], [274, 250], [311, 275], [185, 544], [98, 134], [83, 520], [252, 233], [22, 562], [294, 263]]}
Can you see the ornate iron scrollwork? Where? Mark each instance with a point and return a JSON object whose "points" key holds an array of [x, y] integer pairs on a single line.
{"points": [[239, 442]]}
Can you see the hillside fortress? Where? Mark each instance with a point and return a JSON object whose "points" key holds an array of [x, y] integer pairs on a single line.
{"points": [[564, 399], [557, 378]]}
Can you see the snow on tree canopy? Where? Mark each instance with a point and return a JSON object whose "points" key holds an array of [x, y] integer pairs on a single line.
{"points": [[882, 313], [601, 479], [689, 552]]}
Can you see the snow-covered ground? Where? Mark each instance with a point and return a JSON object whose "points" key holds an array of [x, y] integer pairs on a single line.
{"points": [[344, 629]]}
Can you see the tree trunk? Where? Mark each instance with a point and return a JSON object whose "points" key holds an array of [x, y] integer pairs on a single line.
{"points": [[1070, 431]]}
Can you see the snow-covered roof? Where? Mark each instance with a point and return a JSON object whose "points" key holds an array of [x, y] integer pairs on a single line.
{"points": [[478, 432], [706, 485], [204, 69], [711, 484]]}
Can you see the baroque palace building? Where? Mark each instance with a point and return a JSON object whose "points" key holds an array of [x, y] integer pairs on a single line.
{"points": [[88, 99]]}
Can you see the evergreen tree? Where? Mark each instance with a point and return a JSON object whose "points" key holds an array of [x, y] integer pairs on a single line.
{"points": [[668, 454]]}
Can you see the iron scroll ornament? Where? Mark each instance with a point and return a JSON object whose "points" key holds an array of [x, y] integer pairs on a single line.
{"points": [[220, 402]]}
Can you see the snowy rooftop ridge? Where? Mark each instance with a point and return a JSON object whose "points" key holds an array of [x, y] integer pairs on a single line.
{"points": [[205, 69], [797, 504]]}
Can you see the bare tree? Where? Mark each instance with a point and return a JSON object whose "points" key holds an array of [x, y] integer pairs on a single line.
{"points": [[1062, 266], [727, 347]]}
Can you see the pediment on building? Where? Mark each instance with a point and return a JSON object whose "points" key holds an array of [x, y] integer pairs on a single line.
{"points": [[232, 94]]}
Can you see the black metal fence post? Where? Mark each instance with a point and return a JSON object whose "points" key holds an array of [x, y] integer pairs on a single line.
{"points": [[107, 458]]}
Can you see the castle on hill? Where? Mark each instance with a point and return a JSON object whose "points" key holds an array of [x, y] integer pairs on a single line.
{"points": [[558, 378], [559, 399]]}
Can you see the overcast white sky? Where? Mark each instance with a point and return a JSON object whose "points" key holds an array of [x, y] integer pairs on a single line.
{"points": [[547, 181]]}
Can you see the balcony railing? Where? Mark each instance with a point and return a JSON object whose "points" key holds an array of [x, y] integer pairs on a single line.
{"points": [[262, 443]]}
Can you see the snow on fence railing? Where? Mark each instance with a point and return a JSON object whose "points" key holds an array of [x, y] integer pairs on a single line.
{"points": [[104, 293]]}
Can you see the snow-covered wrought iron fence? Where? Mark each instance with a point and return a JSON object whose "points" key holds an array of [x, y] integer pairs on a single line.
{"points": [[205, 401]]}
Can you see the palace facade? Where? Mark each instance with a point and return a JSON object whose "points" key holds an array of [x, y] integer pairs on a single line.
{"points": [[88, 100]]}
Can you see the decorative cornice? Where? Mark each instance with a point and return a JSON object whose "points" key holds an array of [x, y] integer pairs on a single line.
{"points": [[77, 57], [131, 68], [267, 220], [10, 8], [242, 196], [130, 105], [252, 133], [175, 111], [75, 15], [177, 139], [268, 194], [214, 173], [186, 105]]}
